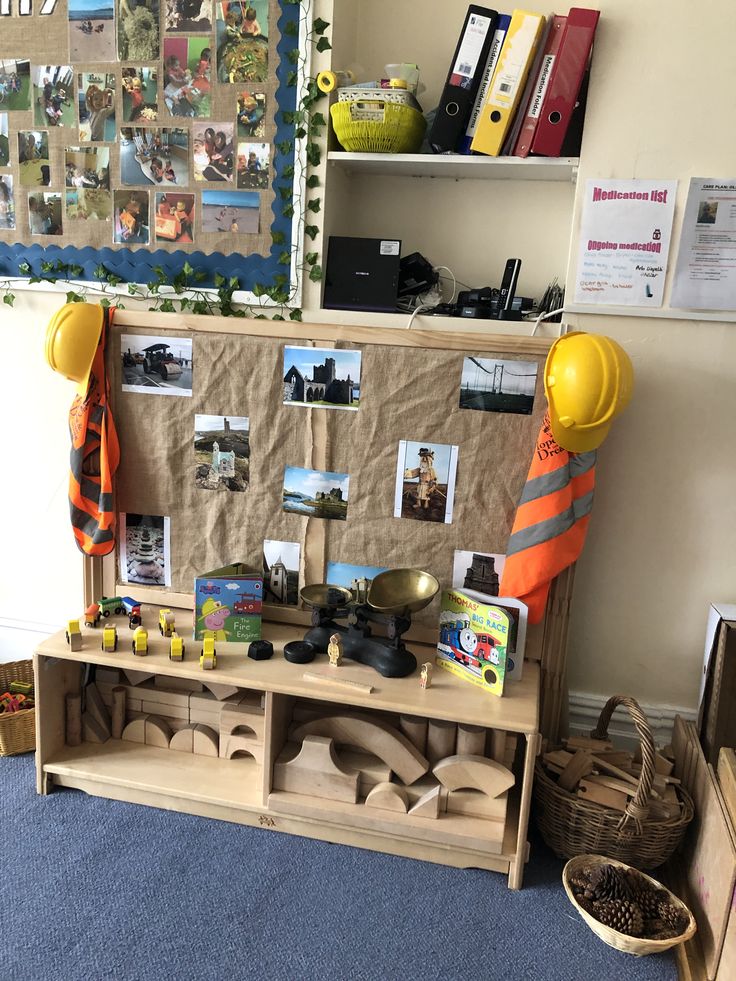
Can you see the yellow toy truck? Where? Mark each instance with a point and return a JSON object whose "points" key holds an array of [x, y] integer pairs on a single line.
{"points": [[140, 641], [74, 635], [166, 624], [110, 639], [208, 654], [176, 647]]}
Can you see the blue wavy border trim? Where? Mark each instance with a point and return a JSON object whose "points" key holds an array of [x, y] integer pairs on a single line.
{"points": [[137, 265]]}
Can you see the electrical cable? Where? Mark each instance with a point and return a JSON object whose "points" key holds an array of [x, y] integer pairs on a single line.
{"points": [[422, 308], [454, 281]]}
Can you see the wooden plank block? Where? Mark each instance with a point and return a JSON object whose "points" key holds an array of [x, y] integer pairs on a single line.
{"points": [[371, 734], [579, 766], [172, 682], [118, 711], [585, 742], [475, 773], [428, 805], [109, 676], [602, 795], [315, 770], [623, 786], [165, 709], [338, 681], [370, 769], [601, 763], [163, 696], [727, 781], [388, 797], [558, 757], [617, 757]]}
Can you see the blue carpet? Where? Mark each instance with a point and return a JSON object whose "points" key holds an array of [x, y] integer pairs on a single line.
{"points": [[93, 889]]}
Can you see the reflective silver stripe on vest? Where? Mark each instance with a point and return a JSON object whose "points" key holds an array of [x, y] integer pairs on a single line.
{"points": [[88, 525], [555, 480], [546, 530]]}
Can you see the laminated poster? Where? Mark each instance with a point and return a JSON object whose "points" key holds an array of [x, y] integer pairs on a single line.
{"points": [[625, 233], [705, 274]]}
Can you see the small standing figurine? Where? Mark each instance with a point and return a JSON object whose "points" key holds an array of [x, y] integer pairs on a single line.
{"points": [[334, 651], [425, 679]]}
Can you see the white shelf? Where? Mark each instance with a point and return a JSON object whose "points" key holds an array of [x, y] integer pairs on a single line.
{"points": [[456, 166], [660, 313]]}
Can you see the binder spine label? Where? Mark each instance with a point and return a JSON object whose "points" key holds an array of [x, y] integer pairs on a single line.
{"points": [[498, 37], [541, 86], [463, 71]]}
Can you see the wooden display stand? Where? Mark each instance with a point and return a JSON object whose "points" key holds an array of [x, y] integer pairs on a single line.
{"points": [[242, 789]]}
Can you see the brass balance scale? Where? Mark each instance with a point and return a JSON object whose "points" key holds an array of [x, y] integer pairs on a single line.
{"points": [[392, 597]]}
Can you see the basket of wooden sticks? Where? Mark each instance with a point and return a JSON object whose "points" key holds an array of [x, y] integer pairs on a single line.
{"points": [[627, 909], [591, 798]]}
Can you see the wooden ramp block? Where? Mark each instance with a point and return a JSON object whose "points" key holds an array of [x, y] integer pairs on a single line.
{"points": [[109, 676], [441, 739], [415, 730], [475, 803], [97, 708], [422, 787], [137, 677], [177, 684], [428, 805], [474, 773], [388, 797], [373, 735], [231, 746], [92, 730], [315, 770], [370, 769], [471, 740], [222, 691], [119, 696]]}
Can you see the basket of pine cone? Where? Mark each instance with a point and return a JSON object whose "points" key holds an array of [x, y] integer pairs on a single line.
{"points": [[592, 799], [627, 909]]}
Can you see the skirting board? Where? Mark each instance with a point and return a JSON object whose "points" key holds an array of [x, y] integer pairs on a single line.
{"points": [[585, 709]]}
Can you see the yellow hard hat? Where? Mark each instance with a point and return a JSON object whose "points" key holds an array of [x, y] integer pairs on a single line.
{"points": [[71, 340], [588, 380]]}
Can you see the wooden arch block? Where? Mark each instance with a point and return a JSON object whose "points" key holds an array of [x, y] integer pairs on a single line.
{"points": [[316, 770], [474, 773], [374, 736], [389, 797]]}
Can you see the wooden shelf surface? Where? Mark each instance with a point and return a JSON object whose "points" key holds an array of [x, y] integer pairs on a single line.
{"points": [[456, 166], [448, 698], [234, 783]]}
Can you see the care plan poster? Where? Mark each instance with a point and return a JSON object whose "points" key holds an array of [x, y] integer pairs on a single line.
{"points": [[705, 274], [625, 235]]}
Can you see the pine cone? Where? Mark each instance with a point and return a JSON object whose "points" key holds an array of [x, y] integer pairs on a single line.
{"points": [[607, 882], [672, 916], [646, 897], [620, 915]]}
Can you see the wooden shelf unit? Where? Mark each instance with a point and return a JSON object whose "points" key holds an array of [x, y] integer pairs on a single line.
{"points": [[240, 790], [456, 166]]}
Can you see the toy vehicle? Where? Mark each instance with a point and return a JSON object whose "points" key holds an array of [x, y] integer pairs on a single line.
{"points": [[92, 615], [176, 647], [111, 604], [161, 361], [110, 639], [133, 609], [74, 635], [166, 625], [140, 641], [208, 654], [475, 651], [247, 606]]}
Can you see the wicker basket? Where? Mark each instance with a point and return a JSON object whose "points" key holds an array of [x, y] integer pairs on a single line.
{"points": [[639, 946], [573, 826], [376, 125], [17, 729]]}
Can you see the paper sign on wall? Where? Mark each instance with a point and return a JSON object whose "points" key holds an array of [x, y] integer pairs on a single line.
{"points": [[705, 277], [624, 241]]}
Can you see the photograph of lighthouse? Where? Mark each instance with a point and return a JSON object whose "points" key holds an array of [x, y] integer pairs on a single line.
{"points": [[221, 452]]}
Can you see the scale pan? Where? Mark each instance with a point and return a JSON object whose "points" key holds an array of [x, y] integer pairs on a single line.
{"points": [[402, 591], [323, 594]]}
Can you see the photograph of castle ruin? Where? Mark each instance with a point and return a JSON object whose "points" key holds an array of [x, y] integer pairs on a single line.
{"points": [[316, 493], [322, 377], [221, 452]]}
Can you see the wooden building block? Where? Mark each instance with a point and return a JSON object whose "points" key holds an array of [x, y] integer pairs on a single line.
{"points": [[96, 707], [107, 676], [92, 730], [475, 773], [75, 641], [601, 763], [315, 770], [73, 718], [585, 742], [370, 769], [163, 696], [230, 746], [137, 677], [205, 708], [165, 709], [221, 691], [558, 757], [416, 791], [617, 757], [373, 735], [475, 803], [388, 797], [415, 730], [599, 794], [471, 740], [242, 716], [428, 805], [119, 695], [497, 748], [135, 731], [206, 741], [441, 739], [338, 680], [177, 684], [579, 766], [183, 740], [156, 732]]}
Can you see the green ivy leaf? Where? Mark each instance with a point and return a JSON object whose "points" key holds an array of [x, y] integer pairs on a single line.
{"points": [[219, 279], [288, 171], [291, 77], [320, 26], [24, 268], [291, 29], [323, 44], [285, 147], [286, 193], [314, 154], [280, 279], [167, 306], [234, 283], [315, 273], [277, 316], [296, 315], [300, 133], [285, 258], [315, 205], [312, 181], [9, 298], [187, 269], [293, 56], [200, 275], [133, 289], [312, 231], [278, 238], [113, 280], [200, 306], [258, 289], [288, 211], [317, 120], [310, 258], [72, 297], [75, 271], [105, 302], [288, 117]]}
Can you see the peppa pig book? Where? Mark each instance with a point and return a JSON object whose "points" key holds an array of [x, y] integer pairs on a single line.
{"points": [[227, 604]]}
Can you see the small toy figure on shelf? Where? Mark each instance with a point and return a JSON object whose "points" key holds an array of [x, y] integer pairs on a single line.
{"points": [[74, 635], [334, 651], [176, 647], [110, 639], [140, 641], [208, 654], [425, 679], [166, 623], [92, 615]]}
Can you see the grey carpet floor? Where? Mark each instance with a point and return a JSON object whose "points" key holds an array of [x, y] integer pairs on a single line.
{"points": [[95, 889]]}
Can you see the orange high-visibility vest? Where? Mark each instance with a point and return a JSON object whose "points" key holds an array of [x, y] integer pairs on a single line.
{"points": [[94, 458], [550, 523]]}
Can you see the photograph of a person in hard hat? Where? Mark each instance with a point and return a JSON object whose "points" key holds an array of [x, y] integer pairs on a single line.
{"points": [[425, 481]]}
